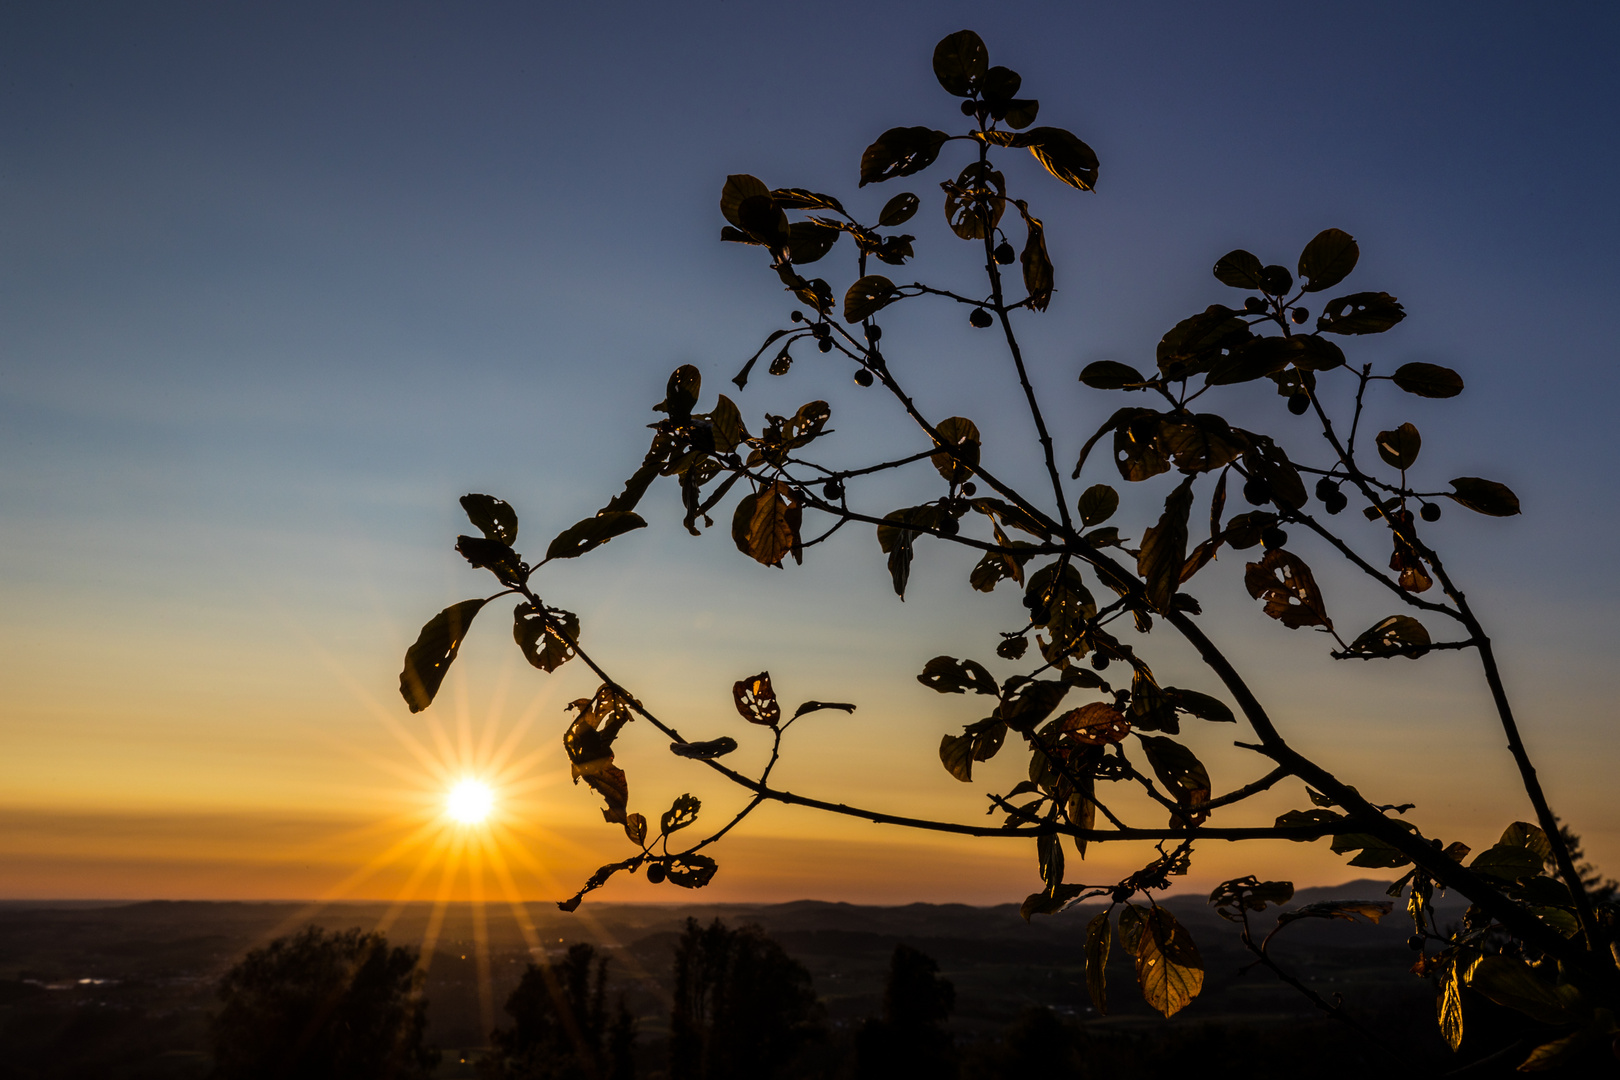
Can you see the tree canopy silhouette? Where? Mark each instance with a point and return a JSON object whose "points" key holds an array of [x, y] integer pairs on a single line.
{"points": [[910, 1038], [742, 1006], [323, 1006], [562, 1028], [1077, 692]]}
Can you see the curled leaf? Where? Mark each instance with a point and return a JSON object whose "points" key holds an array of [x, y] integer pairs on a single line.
{"points": [[492, 517], [704, 751], [1484, 496]]}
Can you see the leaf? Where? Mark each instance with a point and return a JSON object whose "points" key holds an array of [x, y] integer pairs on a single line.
{"points": [[641, 480], [1525, 835], [729, 430], [817, 706], [1199, 343], [596, 881], [1399, 448], [1253, 358], [1560, 1052], [1036, 263], [867, 296], [1097, 724], [1302, 818], [1508, 862], [1514, 985], [898, 210], [1139, 454], [427, 661], [530, 628], [1398, 635], [1241, 270], [1097, 504], [493, 556], [948, 675], [592, 533], [975, 201], [704, 751], [492, 517], [1049, 856], [900, 151], [1063, 155], [1202, 442], [809, 241], [756, 701], [956, 754], [1370, 850], [962, 435], [1450, 1007], [1231, 898], [1361, 313], [1428, 380], [635, 827], [766, 524], [1328, 259], [1347, 910], [1110, 375], [1031, 701], [681, 813], [1289, 589], [691, 871], [1484, 496], [681, 392], [1200, 705], [1168, 967], [609, 781], [1164, 547], [960, 61], [1051, 901], [738, 187], [1182, 773]]}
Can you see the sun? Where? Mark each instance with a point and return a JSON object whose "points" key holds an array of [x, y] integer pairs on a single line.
{"points": [[470, 802]]}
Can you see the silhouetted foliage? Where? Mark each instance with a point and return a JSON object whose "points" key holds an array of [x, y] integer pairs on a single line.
{"points": [[319, 1005], [562, 1028], [1090, 593], [910, 1038], [743, 1008]]}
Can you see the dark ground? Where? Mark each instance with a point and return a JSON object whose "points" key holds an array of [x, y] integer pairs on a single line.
{"points": [[125, 991]]}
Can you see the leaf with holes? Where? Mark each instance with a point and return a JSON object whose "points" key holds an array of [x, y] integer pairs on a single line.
{"points": [[866, 297], [900, 151], [1399, 448], [756, 701], [962, 436], [1289, 589], [1398, 635], [1168, 967], [493, 517], [541, 636]]}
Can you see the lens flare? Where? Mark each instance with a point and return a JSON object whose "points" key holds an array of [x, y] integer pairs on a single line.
{"points": [[470, 802]]}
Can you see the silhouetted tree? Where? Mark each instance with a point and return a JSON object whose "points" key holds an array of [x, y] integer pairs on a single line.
{"points": [[1094, 575], [323, 1006], [910, 1038], [561, 1027], [743, 1007]]}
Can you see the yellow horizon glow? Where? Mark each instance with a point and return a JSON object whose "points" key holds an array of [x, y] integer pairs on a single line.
{"points": [[470, 802]]}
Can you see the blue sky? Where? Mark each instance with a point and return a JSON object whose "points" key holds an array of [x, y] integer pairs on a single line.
{"points": [[279, 282]]}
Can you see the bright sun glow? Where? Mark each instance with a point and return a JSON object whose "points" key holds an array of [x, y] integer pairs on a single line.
{"points": [[470, 802]]}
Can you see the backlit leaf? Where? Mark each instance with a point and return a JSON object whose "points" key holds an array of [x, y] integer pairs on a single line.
{"points": [[817, 706], [1525, 835], [738, 187], [756, 700], [427, 661], [962, 435], [1096, 724], [898, 210], [1515, 985], [1110, 375], [537, 635], [867, 296], [900, 151], [1361, 313], [1168, 967], [691, 871], [681, 813], [1398, 635], [635, 827], [1240, 269], [1063, 155], [1097, 504], [704, 751], [1179, 769], [1347, 910], [1164, 547], [1231, 898], [1289, 589]]}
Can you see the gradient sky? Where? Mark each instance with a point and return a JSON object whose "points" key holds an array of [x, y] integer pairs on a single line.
{"points": [[279, 282]]}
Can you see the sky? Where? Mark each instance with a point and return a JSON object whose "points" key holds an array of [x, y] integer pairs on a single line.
{"points": [[280, 282]]}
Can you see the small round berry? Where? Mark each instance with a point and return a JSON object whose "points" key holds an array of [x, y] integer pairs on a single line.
{"points": [[1257, 491], [1254, 306], [1326, 489], [1299, 403], [832, 490], [863, 378], [969, 488], [980, 318], [1337, 503], [1299, 316], [656, 872], [824, 344], [873, 332], [1430, 512], [796, 316], [969, 107], [1415, 943], [820, 330], [1004, 253], [948, 525], [1273, 538], [1099, 660]]}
